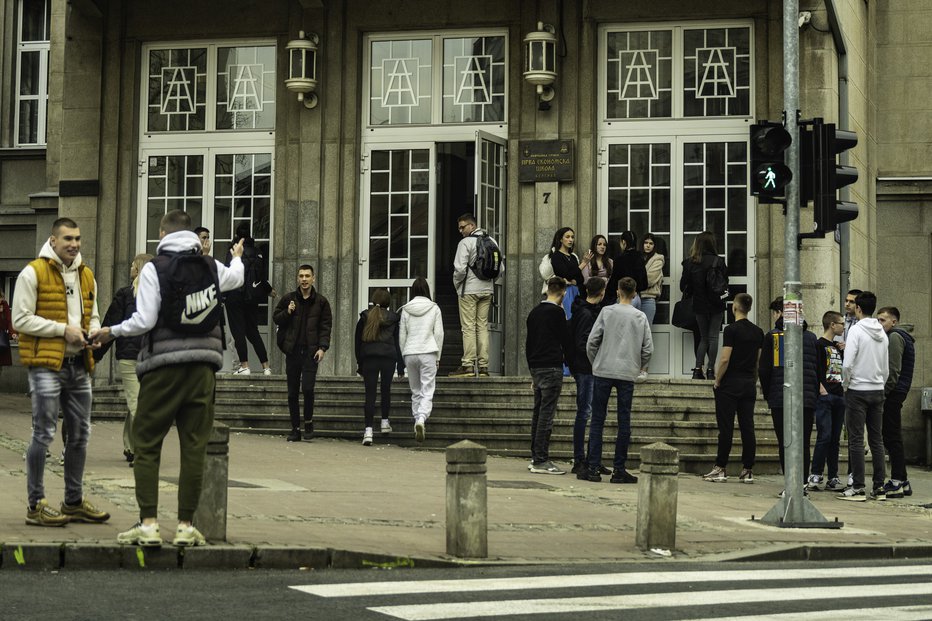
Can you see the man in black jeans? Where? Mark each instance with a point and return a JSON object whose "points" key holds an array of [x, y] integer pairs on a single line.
{"points": [[304, 322]]}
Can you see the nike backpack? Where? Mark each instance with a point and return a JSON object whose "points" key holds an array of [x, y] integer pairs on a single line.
{"points": [[190, 288]]}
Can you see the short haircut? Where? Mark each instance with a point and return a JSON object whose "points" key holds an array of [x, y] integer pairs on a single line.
{"points": [[556, 286], [242, 231], [66, 222], [595, 286], [830, 317], [201, 229], [855, 292], [305, 266], [174, 221], [468, 218], [867, 302], [743, 302], [891, 310], [777, 305], [628, 286]]}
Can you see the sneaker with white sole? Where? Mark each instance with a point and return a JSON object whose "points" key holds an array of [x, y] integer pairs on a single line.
{"points": [[266, 371], [419, 431], [716, 475], [746, 476], [834, 485], [145, 535], [386, 426], [546, 467], [367, 437], [850, 480], [814, 482], [641, 378], [44, 515], [852, 494], [242, 371], [85, 512], [188, 536]]}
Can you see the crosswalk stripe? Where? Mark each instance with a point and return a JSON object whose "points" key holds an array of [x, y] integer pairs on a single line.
{"points": [[358, 589], [469, 610], [900, 613]]}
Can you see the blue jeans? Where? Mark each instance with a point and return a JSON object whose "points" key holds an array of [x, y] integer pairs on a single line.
{"points": [[601, 390], [584, 383], [548, 384], [829, 420], [649, 308], [69, 390]]}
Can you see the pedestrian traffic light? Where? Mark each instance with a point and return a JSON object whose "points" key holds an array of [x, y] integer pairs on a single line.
{"points": [[769, 173], [829, 212]]}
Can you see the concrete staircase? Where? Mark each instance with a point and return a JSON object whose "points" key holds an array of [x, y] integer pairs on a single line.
{"points": [[495, 412]]}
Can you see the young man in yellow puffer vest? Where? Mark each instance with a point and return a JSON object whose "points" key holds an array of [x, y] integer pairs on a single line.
{"points": [[54, 308]]}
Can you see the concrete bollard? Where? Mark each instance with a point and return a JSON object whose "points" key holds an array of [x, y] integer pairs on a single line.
{"points": [[657, 491], [467, 501], [211, 515]]}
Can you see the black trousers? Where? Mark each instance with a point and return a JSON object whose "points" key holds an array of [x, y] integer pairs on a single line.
{"points": [[736, 398], [808, 422], [893, 434], [372, 370], [244, 324], [301, 371]]}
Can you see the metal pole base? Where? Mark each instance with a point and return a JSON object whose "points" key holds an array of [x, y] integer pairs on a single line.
{"points": [[797, 513]]}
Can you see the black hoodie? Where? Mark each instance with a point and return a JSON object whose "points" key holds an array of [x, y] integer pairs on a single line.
{"points": [[386, 347]]}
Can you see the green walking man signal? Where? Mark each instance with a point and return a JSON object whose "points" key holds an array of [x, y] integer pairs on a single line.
{"points": [[769, 172]]}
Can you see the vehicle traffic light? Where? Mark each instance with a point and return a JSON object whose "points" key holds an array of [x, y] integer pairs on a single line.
{"points": [[808, 164], [769, 173], [829, 212]]}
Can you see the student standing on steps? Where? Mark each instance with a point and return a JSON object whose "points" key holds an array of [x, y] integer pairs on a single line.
{"points": [[178, 311], [378, 354], [735, 390], [830, 406], [547, 347], [902, 360], [585, 312], [304, 322], [421, 339]]}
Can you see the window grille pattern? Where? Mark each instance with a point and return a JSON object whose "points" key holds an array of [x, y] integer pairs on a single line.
{"points": [[246, 87], [177, 93], [639, 74], [400, 82], [174, 182], [717, 72], [473, 79]]}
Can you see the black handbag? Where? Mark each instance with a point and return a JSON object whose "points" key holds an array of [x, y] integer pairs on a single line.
{"points": [[683, 315]]}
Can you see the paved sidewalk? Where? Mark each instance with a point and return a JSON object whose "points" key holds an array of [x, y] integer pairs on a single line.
{"points": [[391, 501]]}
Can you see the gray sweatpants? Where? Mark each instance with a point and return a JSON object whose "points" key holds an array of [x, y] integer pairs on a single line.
{"points": [[865, 407]]}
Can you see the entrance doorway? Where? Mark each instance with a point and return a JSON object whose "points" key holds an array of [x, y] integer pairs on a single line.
{"points": [[413, 195]]}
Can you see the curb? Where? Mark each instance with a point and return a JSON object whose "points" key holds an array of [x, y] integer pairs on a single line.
{"points": [[827, 552]]}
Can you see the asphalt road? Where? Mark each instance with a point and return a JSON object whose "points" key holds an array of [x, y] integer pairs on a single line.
{"points": [[873, 591]]}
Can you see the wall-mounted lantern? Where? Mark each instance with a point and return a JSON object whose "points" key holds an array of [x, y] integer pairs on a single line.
{"points": [[540, 68], [302, 67]]}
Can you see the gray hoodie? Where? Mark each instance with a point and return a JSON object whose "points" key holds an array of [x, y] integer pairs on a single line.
{"points": [[421, 330], [866, 362], [620, 343]]}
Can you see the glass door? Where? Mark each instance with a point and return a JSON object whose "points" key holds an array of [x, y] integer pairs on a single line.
{"points": [[490, 216], [396, 245]]}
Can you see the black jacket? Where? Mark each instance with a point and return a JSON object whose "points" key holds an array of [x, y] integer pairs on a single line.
{"points": [[548, 341], [584, 316], [313, 313], [386, 347], [771, 367], [629, 263], [121, 308], [693, 281]]}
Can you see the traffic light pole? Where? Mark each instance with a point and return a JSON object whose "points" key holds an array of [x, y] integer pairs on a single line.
{"points": [[793, 510]]}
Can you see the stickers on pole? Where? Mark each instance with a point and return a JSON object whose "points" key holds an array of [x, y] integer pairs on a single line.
{"points": [[792, 312]]}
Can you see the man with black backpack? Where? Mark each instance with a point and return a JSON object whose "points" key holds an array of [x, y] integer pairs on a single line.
{"points": [[178, 310], [477, 264], [243, 303]]}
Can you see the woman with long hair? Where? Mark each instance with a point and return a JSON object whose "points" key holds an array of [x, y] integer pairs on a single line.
{"points": [[600, 264], [378, 354], [127, 349], [421, 339], [627, 263], [707, 305], [653, 255], [567, 265]]}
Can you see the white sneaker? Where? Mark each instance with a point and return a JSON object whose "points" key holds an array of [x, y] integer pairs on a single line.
{"points": [[716, 475], [266, 371], [419, 431], [145, 535], [188, 536], [850, 480], [386, 426], [813, 483], [367, 437], [641, 378], [242, 371]]}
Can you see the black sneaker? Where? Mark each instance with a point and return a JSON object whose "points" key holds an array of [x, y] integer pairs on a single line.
{"points": [[128, 455], [878, 494], [710, 374], [623, 476], [589, 475], [604, 470], [697, 374], [579, 466], [294, 436], [308, 430]]}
